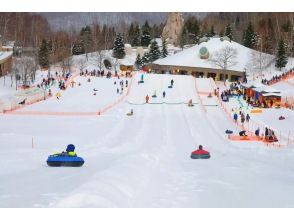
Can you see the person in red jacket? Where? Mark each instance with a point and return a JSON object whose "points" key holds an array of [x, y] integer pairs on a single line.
{"points": [[147, 98]]}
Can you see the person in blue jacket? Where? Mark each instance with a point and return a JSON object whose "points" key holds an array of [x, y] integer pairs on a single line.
{"points": [[70, 151], [235, 117]]}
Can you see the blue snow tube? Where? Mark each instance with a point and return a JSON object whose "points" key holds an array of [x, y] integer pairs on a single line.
{"points": [[65, 161]]}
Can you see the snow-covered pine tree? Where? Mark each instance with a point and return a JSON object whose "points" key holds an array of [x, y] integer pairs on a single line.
{"points": [[131, 34], [146, 37], [145, 59], [78, 48], [118, 47], [138, 62], [43, 54], [137, 37], [154, 52], [86, 39], [281, 57], [164, 52], [229, 32], [250, 37]]}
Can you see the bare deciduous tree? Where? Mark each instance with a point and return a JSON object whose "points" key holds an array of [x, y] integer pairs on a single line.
{"points": [[24, 68], [116, 64], [98, 58], [82, 63], [66, 64], [224, 58], [258, 63]]}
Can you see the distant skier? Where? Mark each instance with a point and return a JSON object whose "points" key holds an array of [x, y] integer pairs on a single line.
{"points": [[117, 90], [163, 94], [172, 82]]}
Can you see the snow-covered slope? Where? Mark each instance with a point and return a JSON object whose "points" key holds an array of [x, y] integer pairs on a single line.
{"points": [[139, 161]]}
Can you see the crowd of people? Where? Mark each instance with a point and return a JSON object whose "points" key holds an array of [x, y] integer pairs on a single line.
{"points": [[278, 78]]}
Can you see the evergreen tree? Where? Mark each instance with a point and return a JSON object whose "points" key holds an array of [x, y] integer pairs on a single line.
{"points": [[43, 54], [184, 38], [86, 39], [118, 47], [138, 62], [281, 57], [287, 26], [154, 52], [145, 59], [131, 33], [50, 46], [250, 37], [145, 38], [192, 26], [229, 31], [164, 52], [212, 32], [78, 48], [137, 37]]}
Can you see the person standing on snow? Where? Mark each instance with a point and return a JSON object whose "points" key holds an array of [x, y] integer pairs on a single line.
{"points": [[147, 99], [247, 117], [163, 94], [242, 118], [235, 117]]}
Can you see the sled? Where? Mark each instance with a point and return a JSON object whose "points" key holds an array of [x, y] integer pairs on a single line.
{"points": [[200, 156], [65, 161], [229, 132]]}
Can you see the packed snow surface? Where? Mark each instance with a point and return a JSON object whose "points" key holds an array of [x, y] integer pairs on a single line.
{"points": [[141, 160]]}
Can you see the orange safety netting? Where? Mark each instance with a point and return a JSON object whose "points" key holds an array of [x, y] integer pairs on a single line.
{"points": [[233, 137]]}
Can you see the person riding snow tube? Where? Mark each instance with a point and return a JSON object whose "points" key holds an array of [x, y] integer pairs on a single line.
{"points": [[130, 113], [229, 131], [281, 118], [66, 159], [200, 153]]}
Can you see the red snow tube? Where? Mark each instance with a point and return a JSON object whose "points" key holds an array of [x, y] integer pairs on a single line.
{"points": [[200, 154]]}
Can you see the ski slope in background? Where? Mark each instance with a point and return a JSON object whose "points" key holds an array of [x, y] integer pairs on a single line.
{"points": [[139, 161]]}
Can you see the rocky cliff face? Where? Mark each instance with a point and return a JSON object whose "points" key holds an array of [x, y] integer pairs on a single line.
{"points": [[173, 28]]}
